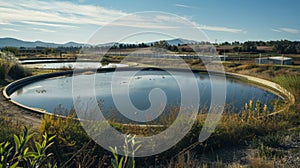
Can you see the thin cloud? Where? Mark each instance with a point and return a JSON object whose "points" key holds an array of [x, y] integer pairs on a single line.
{"points": [[219, 29], [185, 6], [55, 12], [49, 24], [286, 30], [276, 30], [49, 15], [10, 29], [289, 30], [5, 23], [44, 30], [184, 21]]}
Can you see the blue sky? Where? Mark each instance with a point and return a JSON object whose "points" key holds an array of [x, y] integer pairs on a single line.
{"points": [[78, 20]]}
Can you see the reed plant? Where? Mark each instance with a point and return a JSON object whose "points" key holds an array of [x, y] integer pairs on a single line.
{"points": [[9, 67], [289, 82], [7, 60], [22, 154]]}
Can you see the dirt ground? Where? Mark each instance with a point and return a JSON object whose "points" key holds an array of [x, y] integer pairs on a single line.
{"points": [[18, 114]]}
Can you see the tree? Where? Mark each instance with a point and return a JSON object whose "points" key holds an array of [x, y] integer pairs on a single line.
{"points": [[250, 46], [161, 44], [290, 49], [225, 43], [13, 50], [48, 50], [285, 47], [279, 47], [235, 43], [236, 49], [297, 46]]}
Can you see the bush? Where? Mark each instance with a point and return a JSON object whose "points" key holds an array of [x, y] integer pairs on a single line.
{"points": [[7, 128], [70, 136], [17, 71], [8, 62], [21, 154]]}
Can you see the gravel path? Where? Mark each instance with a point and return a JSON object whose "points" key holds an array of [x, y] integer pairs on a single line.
{"points": [[291, 150], [18, 114]]}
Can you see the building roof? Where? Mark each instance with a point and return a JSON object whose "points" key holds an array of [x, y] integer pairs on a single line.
{"points": [[280, 58]]}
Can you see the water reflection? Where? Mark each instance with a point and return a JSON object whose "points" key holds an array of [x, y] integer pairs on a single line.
{"points": [[55, 94]]}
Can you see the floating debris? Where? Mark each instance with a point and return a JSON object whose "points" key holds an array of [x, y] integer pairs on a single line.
{"points": [[41, 91]]}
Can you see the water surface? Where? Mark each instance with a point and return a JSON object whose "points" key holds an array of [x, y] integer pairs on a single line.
{"points": [[55, 94]]}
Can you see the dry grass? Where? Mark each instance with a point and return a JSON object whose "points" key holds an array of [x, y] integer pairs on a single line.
{"points": [[259, 163], [234, 165]]}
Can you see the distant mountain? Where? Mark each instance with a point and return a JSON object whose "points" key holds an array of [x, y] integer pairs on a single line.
{"points": [[73, 44], [171, 42], [177, 41], [108, 44], [11, 42], [181, 41]]}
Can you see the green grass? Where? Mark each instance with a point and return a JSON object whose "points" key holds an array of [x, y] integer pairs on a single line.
{"points": [[289, 82]]}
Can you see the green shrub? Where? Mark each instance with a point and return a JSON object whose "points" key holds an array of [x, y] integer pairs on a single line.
{"points": [[21, 154], [7, 128], [129, 149], [70, 136]]}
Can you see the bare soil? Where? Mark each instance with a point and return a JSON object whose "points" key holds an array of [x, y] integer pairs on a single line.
{"points": [[18, 114]]}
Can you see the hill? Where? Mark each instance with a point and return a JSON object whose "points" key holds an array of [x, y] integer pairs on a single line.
{"points": [[11, 42]]}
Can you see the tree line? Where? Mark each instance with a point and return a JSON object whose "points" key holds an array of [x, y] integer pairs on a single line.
{"points": [[279, 46]]}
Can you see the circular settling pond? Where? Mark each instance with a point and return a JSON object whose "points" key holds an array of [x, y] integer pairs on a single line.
{"points": [[54, 94]]}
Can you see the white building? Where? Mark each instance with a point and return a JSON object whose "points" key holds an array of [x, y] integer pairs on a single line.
{"points": [[275, 60]]}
